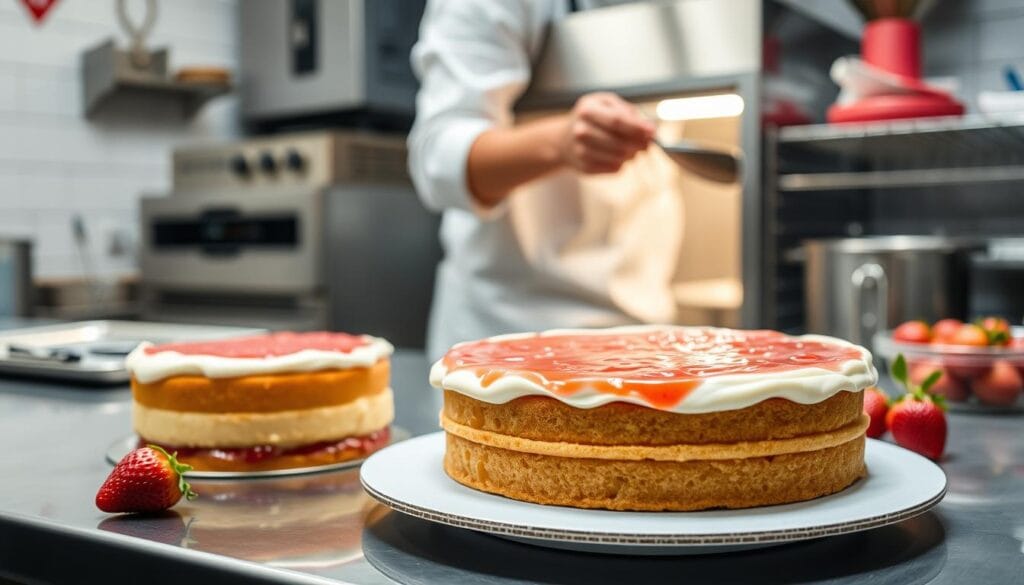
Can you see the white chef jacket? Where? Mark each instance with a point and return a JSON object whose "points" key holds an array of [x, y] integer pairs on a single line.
{"points": [[566, 250]]}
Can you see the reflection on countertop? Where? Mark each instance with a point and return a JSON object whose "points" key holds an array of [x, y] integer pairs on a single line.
{"points": [[303, 529], [412, 551], [312, 521]]}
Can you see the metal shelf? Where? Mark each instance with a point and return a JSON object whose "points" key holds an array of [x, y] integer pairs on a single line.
{"points": [[966, 137], [900, 178], [851, 167], [107, 75], [983, 262]]}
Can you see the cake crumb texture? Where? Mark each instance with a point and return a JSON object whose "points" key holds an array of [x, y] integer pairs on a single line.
{"points": [[655, 485], [547, 419]]}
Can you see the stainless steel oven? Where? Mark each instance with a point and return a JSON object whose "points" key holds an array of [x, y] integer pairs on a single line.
{"points": [[303, 231], [265, 242], [317, 62]]}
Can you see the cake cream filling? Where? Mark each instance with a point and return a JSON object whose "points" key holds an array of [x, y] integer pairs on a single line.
{"points": [[806, 385], [289, 428], [686, 452], [152, 367]]}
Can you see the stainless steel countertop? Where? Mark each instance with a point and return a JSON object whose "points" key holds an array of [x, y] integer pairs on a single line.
{"points": [[324, 529]]}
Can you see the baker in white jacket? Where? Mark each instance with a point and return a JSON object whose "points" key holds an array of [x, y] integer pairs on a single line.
{"points": [[540, 222]]}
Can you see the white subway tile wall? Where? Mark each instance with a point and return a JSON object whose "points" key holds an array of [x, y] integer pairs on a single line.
{"points": [[974, 40], [56, 165]]}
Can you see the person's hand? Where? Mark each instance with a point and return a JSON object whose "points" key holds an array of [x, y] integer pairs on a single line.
{"points": [[603, 131]]}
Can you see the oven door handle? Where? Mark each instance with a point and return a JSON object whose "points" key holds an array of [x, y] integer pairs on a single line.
{"points": [[213, 221]]}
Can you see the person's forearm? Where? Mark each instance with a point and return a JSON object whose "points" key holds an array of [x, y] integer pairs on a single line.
{"points": [[502, 159]]}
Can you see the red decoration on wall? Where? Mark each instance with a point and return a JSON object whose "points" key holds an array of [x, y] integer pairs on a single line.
{"points": [[38, 8]]}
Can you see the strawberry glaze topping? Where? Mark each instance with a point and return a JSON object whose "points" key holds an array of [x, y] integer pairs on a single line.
{"points": [[260, 346], [661, 366]]}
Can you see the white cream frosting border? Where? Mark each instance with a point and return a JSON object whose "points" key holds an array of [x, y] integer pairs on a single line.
{"points": [[148, 368], [809, 385]]}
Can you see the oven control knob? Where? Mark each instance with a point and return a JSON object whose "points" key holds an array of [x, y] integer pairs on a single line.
{"points": [[267, 163], [240, 166], [295, 160]]}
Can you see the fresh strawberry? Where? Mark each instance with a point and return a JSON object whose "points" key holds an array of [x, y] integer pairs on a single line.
{"points": [[917, 420], [1001, 386], [948, 386], [966, 368], [944, 329], [919, 425], [876, 404], [997, 329], [970, 334], [913, 332], [146, 480], [1017, 344]]}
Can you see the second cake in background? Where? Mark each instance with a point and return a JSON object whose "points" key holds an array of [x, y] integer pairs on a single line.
{"points": [[275, 401]]}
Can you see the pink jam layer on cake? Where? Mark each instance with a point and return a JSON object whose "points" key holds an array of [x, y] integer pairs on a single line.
{"points": [[343, 449], [261, 346], [679, 369]]}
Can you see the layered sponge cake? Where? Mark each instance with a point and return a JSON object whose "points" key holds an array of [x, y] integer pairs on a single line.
{"points": [[276, 401], [655, 417]]}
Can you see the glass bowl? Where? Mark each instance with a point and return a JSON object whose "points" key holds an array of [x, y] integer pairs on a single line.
{"points": [[981, 379]]}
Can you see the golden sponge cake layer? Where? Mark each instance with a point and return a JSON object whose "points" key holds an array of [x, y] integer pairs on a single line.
{"points": [[262, 393], [654, 485], [547, 419], [285, 428], [681, 452]]}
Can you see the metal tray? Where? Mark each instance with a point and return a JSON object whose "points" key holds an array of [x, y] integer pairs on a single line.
{"points": [[98, 346]]}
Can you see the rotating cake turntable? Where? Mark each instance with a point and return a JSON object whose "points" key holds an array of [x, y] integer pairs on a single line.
{"points": [[654, 439], [899, 485]]}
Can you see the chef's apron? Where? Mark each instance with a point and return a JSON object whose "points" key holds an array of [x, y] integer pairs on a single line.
{"points": [[575, 251]]}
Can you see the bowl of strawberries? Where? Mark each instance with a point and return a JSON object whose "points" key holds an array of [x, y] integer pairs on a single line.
{"points": [[981, 363]]}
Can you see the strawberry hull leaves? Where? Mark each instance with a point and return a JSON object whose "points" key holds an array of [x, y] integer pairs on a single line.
{"points": [[898, 371], [997, 337], [996, 329], [179, 470], [917, 420]]}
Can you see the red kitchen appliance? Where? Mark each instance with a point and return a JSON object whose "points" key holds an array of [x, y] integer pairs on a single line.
{"points": [[885, 83]]}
